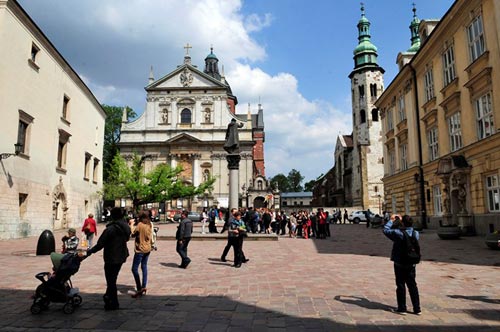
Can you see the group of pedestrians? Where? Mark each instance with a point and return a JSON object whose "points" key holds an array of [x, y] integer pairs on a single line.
{"points": [[238, 222], [114, 240]]}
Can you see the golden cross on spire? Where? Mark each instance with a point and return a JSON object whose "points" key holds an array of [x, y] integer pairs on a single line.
{"points": [[187, 47]]}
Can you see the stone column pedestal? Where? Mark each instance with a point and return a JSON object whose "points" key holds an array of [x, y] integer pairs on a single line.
{"points": [[233, 164]]}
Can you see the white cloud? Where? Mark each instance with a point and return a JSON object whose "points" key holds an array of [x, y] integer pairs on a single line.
{"points": [[112, 44], [254, 22], [300, 134]]}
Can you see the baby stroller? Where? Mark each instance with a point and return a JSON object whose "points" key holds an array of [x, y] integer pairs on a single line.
{"points": [[57, 286]]}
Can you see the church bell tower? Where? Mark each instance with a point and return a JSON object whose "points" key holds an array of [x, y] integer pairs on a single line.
{"points": [[367, 84]]}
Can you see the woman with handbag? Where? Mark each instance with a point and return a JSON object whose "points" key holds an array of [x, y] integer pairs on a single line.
{"points": [[90, 229]]}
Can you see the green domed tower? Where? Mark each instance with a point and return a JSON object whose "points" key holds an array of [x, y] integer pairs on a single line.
{"points": [[415, 37], [367, 84], [365, 54]]}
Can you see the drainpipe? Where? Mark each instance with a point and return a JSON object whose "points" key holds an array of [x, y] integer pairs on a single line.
{"points": [[423, 212]]}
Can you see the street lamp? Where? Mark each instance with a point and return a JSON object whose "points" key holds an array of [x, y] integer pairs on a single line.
{"points": [[18, 148], [379, 206]]}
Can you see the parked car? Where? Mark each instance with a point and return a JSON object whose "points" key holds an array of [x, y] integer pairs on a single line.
{"points": [[358, 216], [194, 216]]}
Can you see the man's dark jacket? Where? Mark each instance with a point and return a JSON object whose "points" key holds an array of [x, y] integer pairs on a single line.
{"points": [[114, 241]]}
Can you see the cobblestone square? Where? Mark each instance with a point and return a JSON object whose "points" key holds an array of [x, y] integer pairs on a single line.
{"points": [[344, 283]]}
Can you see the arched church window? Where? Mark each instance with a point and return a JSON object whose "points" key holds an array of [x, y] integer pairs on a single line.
{"points": [[375, 115], [362, 116], [373, 90], [361, 91], [186, 116], [259, 185]]}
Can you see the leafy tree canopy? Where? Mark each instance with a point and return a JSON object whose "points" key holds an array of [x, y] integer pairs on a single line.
{"points": [[112, 131], [295, 179], [290, 183], [161, 184], [309, 186]]}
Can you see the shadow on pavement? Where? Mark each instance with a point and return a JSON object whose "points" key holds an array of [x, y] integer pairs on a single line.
{"points": [[363, 302], [196, 313], [358, 240], [476, 298]]}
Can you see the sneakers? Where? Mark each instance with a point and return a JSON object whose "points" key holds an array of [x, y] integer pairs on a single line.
{"points": [[399, 312], [223, 259], [418, 312]]}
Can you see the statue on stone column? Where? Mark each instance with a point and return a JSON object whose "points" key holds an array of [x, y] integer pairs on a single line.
{"points": [[232, 144]]}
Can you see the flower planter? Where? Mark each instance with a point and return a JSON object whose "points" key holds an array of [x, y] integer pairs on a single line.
{"points": [[449, 232], [491, 240]]}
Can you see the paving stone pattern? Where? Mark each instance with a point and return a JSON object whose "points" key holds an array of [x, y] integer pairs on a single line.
{"points": [[344, 283]]}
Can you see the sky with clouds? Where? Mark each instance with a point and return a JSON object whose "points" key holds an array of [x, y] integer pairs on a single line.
{"points": [[292, 55]]}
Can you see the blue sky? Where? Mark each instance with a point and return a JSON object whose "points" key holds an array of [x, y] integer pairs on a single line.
{"points": [[293, 55]]}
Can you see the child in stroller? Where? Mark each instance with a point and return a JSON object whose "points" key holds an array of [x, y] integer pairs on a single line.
{"points": [[57, 286]]}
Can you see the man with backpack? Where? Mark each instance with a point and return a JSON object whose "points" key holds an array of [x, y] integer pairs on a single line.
{"points": [[405, 255]]}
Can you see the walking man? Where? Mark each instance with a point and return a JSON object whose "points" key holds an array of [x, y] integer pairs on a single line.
{"points": [[405, 255], [114, 241], [183, 236]]}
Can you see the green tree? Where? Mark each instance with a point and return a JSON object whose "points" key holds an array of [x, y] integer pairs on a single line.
{"points": [[309, 186], [280, 181], [112, 131], [295, 181], [161, 184]]}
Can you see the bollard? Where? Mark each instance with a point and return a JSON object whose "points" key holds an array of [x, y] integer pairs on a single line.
{"points": [[46, 243]]}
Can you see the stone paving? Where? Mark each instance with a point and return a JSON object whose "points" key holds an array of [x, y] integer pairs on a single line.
{"points": [[344, 283]]}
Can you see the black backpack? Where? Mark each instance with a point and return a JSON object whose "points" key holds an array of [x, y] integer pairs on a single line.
{"points": [[410, 253]]}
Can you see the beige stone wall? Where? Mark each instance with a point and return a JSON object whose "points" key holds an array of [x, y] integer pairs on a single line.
{"points": [[38, 88], [473, 80]]}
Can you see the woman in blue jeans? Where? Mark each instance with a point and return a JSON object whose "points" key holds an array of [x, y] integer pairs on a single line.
{"points": [[143, 233]]}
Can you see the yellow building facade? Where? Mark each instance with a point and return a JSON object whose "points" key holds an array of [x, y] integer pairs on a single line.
{"points": [[441, 121]]}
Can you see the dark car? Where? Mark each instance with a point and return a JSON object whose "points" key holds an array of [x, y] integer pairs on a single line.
{"points": [[194, 216]]}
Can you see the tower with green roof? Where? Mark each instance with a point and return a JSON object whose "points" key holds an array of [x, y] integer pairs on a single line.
{"points": [[367, 83], [404, 57]]}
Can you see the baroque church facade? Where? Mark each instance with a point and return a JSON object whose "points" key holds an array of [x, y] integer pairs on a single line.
{"points": [[184, 124]]}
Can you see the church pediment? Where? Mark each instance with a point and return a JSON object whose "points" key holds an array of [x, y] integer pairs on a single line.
{"points": [[185, 76], [183, 139]]}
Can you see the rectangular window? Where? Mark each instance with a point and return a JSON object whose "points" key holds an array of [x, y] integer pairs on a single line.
{"points": [[493, 193], [438, 205], [392, 162], [432, 140], [484, 116], [455, 131], [390, 123], [429, 85], [475, 35], [23, 131], [86, 170], [34, 52], [403, 151], [96, 170], [23, 202], [448, 65], [407, 203], [401, 108], [393, 204], [62, 150], [65, 114]]}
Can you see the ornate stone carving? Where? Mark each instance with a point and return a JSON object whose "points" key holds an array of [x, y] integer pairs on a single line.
{"points": [[186, 78], [233, 161], [59, 197]]}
